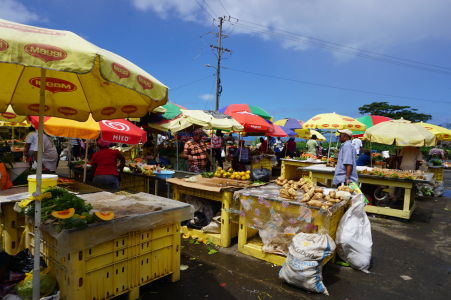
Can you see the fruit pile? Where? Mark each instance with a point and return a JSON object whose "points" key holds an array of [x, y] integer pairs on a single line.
{"points": [[232, 174], [392, 173]]}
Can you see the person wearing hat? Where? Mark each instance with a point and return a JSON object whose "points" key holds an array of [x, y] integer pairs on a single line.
{"points": [[345, 170], [196, 152], [105, 166]]}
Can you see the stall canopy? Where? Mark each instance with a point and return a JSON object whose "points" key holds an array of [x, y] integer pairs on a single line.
{"points": [[289, 123], [172, 110], [11, 117], [306, 134], [251, 122], [212, 120], [234, 108], [441, 133], [175, 125], [401, 133], [58, 73], [369, 121], [275, 131], [113, 131]]}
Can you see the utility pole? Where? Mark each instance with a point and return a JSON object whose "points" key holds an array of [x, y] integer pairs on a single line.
{"points": [[218, 66]]}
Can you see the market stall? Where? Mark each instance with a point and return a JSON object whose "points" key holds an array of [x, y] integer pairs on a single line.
{"points": [[219, 190], [384, 178], [290, 166], [279, 211]]}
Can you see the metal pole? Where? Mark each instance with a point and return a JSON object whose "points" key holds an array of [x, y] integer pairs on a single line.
{"points": [[218, 67], [330, 142], [177, 152], [86, 160], [37, 207]]}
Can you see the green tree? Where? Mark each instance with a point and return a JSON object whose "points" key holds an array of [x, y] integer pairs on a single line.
{"points": [[394, 111]]}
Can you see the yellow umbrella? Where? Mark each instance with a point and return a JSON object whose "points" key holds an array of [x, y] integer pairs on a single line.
{"points": [[72, 78], [10, 116], [401, 133], [15, 124], [333, 121], [307, 134], [174, 125], [441, 133]]}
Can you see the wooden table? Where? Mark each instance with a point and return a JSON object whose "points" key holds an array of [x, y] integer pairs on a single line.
{"points": [[224, 195], [408, 186], [290, 167]]}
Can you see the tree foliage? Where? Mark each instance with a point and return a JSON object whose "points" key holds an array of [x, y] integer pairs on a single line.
{"points": [[394, 111]]}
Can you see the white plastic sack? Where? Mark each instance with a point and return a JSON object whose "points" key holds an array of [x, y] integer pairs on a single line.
{"points": [[354, 241], [306, 254]]}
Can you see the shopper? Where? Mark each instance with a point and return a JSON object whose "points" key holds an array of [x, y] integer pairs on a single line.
{"points": [[411, 158], [263, 146], [49, 153], [196, 152], [217, 145], [312, 145], [345, 171], [105, 166], [290, 147], [357, 144]]}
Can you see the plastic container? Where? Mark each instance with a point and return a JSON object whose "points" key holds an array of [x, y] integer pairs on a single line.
{"points": [[48, 180], [164, 174]]}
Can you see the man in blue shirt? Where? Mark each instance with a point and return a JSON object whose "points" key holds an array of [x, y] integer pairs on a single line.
{"points": [[345, 171]]}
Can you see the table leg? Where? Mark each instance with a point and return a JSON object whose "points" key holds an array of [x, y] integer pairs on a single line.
{"points": [[242, 232], [225, 220], [168, 188], [156, 187], [407, 199]]}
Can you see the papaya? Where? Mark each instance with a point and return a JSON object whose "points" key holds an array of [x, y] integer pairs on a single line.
{"points": [[64, 214], [104, 215]]}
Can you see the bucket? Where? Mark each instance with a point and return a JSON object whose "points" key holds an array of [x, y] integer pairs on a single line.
{"points": [[48, 180]]}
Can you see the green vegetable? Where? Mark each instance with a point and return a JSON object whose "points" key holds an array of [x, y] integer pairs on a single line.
{"points": [[207, 174], [25, 289]]}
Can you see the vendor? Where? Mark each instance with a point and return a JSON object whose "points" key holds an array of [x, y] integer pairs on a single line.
{"points": [[241, 157], [312, 145], [290, 147], [196, 152], [411, 158], [346, 170], [105, 166], [217, 145], [364, 159], [263, 146], [49, 153]]}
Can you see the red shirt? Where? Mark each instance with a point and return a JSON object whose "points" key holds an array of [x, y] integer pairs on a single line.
{"points": [[106, 161]]}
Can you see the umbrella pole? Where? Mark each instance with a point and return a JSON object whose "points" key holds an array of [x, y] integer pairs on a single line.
{"points": [[330, 142], [371, 156], [239, 146], [86, 159], [37, 208], [177, 152]]}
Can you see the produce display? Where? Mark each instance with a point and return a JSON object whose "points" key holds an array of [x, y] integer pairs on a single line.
{"points": [[243, 175], [392, 173], [66, 210], [312, 195]]}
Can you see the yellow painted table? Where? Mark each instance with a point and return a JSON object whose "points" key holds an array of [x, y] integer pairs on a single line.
{"points": [[290, 168], [263, 161], [229, 229], [261, 208], [317, 173], [437, 171]]}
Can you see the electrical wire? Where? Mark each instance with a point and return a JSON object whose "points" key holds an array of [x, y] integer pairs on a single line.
{"points": [[225, 9], [204, 9], [191, 82], [325, 85]]}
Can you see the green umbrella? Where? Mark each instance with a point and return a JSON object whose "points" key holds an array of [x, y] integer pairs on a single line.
{"points": [[172, 110]]}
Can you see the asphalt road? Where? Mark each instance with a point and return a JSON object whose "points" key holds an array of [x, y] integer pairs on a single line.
{"points": [[418, 250]]}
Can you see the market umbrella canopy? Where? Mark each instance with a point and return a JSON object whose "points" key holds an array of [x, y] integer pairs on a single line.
{"points": [[15, 124], [401, 133], [275, 131], [212, 120], [175, 125], [172, 110], [81, 78], [306, 134], [441, 133], [234, 108], [369, 121], [10, 116], [251, 122], [113, 131], [289, 123], [333, 121]]}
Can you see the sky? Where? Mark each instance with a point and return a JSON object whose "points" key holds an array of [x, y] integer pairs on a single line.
{"points": [[293, 58]]}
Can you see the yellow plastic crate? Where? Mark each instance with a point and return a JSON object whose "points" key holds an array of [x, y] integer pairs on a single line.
{"points": [[438, 173], [116, 267], [12, 229], [264, 163], [135, 183]]}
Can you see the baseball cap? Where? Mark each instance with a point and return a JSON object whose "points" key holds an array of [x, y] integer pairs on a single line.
{"points": [[346, 131]]}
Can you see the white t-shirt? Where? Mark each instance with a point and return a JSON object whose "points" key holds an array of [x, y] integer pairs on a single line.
{"points": [[410, 156], [357, 143]]}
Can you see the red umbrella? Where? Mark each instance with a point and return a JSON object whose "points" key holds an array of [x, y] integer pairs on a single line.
{"points": [[251, 122], [276, 131]]}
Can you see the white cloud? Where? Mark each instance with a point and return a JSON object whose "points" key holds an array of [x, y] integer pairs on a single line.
{"points": [[207, 97], [375, 25], [13, 10]]}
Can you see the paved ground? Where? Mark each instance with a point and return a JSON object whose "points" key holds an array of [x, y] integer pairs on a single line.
{"points": [[419, 248]]}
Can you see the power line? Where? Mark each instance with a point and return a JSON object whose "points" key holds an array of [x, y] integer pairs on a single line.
{"points": [[349, 49], [209, 8], [325, 85], [204, 9], [191, 82], [225, 9]]}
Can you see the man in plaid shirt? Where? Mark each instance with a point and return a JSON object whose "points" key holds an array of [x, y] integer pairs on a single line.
{"points": [[196, 152]]}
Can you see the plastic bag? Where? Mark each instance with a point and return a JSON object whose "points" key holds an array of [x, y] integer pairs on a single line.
{"points": [[261, 175], [223, 154], [354, 241], [306, 254]]}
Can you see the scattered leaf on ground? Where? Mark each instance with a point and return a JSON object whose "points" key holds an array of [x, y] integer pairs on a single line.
{"points": [[192, 258], [406, 277], [183, 267], [212, 251]]}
